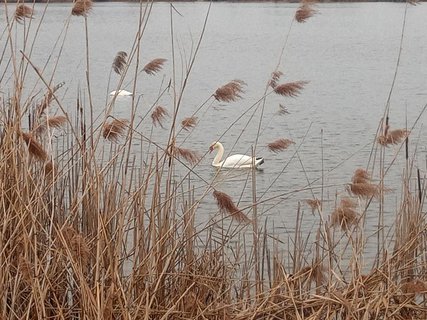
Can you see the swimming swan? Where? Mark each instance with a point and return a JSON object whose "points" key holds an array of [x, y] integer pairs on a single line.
{"points": [[234, 161]]}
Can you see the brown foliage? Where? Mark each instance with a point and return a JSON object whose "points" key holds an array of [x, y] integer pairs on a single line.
{"points": [[345, 215], [230, 91], [22, 12], [34, 147], [158, 115], [290, 89], [226, 205], [189, 123], [414, 286], [82, 8], [279, 145], [115, 129], [154, 66], [119, 62]]}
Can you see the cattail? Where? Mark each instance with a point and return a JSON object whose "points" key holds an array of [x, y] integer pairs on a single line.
{"points": [[226, 205], [275, 77], [393, 137], [158, 115], [22, 12], [345, 215], [115, 129], [282, 110], [304, 12], [154, 66], [230, 91], [119, 62], [279, 145], [313, 203], [190, 156], [34, 147], [189, 123], [82, 8], [290, 89]]}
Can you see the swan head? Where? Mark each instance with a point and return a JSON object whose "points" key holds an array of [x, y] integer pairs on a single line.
{"points": [[214, 145]]}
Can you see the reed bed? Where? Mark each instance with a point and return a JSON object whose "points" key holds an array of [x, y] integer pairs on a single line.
{"points": [[91, 231]]}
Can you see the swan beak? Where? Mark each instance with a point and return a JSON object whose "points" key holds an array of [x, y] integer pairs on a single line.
{"points": [[211, 149]]}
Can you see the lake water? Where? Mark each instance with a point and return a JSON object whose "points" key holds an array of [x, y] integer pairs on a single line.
{"points": [[347, 52]]}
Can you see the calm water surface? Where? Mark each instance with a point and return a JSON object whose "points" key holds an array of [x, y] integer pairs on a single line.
{"points": [[348, 52]]}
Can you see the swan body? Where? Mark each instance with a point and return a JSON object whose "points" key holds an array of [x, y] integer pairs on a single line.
{"points": [[235, 161], [120, 93]]}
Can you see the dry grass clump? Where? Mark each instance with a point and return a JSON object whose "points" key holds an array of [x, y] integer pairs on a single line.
{"points": [[304, 12], [230, 91], [227, 206], [393, 137], [344, 215], [114, 129], [82, 8], [189, 123], [158, 115], [154, 66], [23, 12], [119, 62], [290, 89], [190, 156], [279, 145]]}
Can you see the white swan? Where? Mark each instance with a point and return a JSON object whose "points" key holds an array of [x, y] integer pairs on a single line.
{"points": [[234, 161], [120, 93]]}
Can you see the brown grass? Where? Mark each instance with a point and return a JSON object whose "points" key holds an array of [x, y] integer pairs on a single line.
{"points": [[34, 147], [290, 89], [189, 123], [154, 66], [230, 92], [158, 116], [82, 8], [227, 206], [115, 129], [119, 62], [23, 12], [279, 145]]}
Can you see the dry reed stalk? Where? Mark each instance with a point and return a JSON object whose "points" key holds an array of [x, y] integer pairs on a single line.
{"points": [[119, 62], [345, 215], [226, 205], [393, 137], [230, 91], [290, 89], [158, 115], [115, 129], [34, 147], [275, 77], [82, 8], [23, 12], [279, 145], [189, 155], [189, 123], [304, 12], [154, 66]]}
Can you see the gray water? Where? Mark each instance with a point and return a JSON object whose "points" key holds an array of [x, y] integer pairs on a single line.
{"points": [[348, 53]]}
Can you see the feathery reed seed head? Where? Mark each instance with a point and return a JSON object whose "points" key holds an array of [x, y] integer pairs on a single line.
{"points": [[345, 215], [313, 203], [189, 123], [393, 137], [275, 77], [154, 66], [189, 155], [119, 62], [23, 12], [282, 110], [279, 145], [226, 205], [304, 12], [34, 147], [82, 8], [290, 89], [115, 129], [158, 115], [230, 91]]}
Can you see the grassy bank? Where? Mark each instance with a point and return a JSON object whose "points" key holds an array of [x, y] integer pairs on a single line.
{"points": [[91, 229]]}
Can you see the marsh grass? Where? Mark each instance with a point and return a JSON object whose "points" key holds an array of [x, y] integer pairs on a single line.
{"points": [[89, 238]]}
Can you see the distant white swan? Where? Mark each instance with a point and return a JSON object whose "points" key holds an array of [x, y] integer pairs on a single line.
{"points": [[121, 93], [234, 161]]}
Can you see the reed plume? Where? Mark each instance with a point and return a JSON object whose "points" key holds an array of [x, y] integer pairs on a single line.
{"points": [[361, 185], [282, 110], [290, 89], [82, 8], [275, 77], [48, 98], [393, 137], [49, 169], [34, 147], [304, 12], [119, 62], [279, 145], [23, 12], [189, 123], [361, 176], [230, 91], [345, 215], [226, 205], [154, 66], [158, 115], [189, 155], [115, 129], [314, 203], [414, 286]]}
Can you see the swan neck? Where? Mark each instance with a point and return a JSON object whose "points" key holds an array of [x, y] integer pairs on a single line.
{"points": [[220, 153]]}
